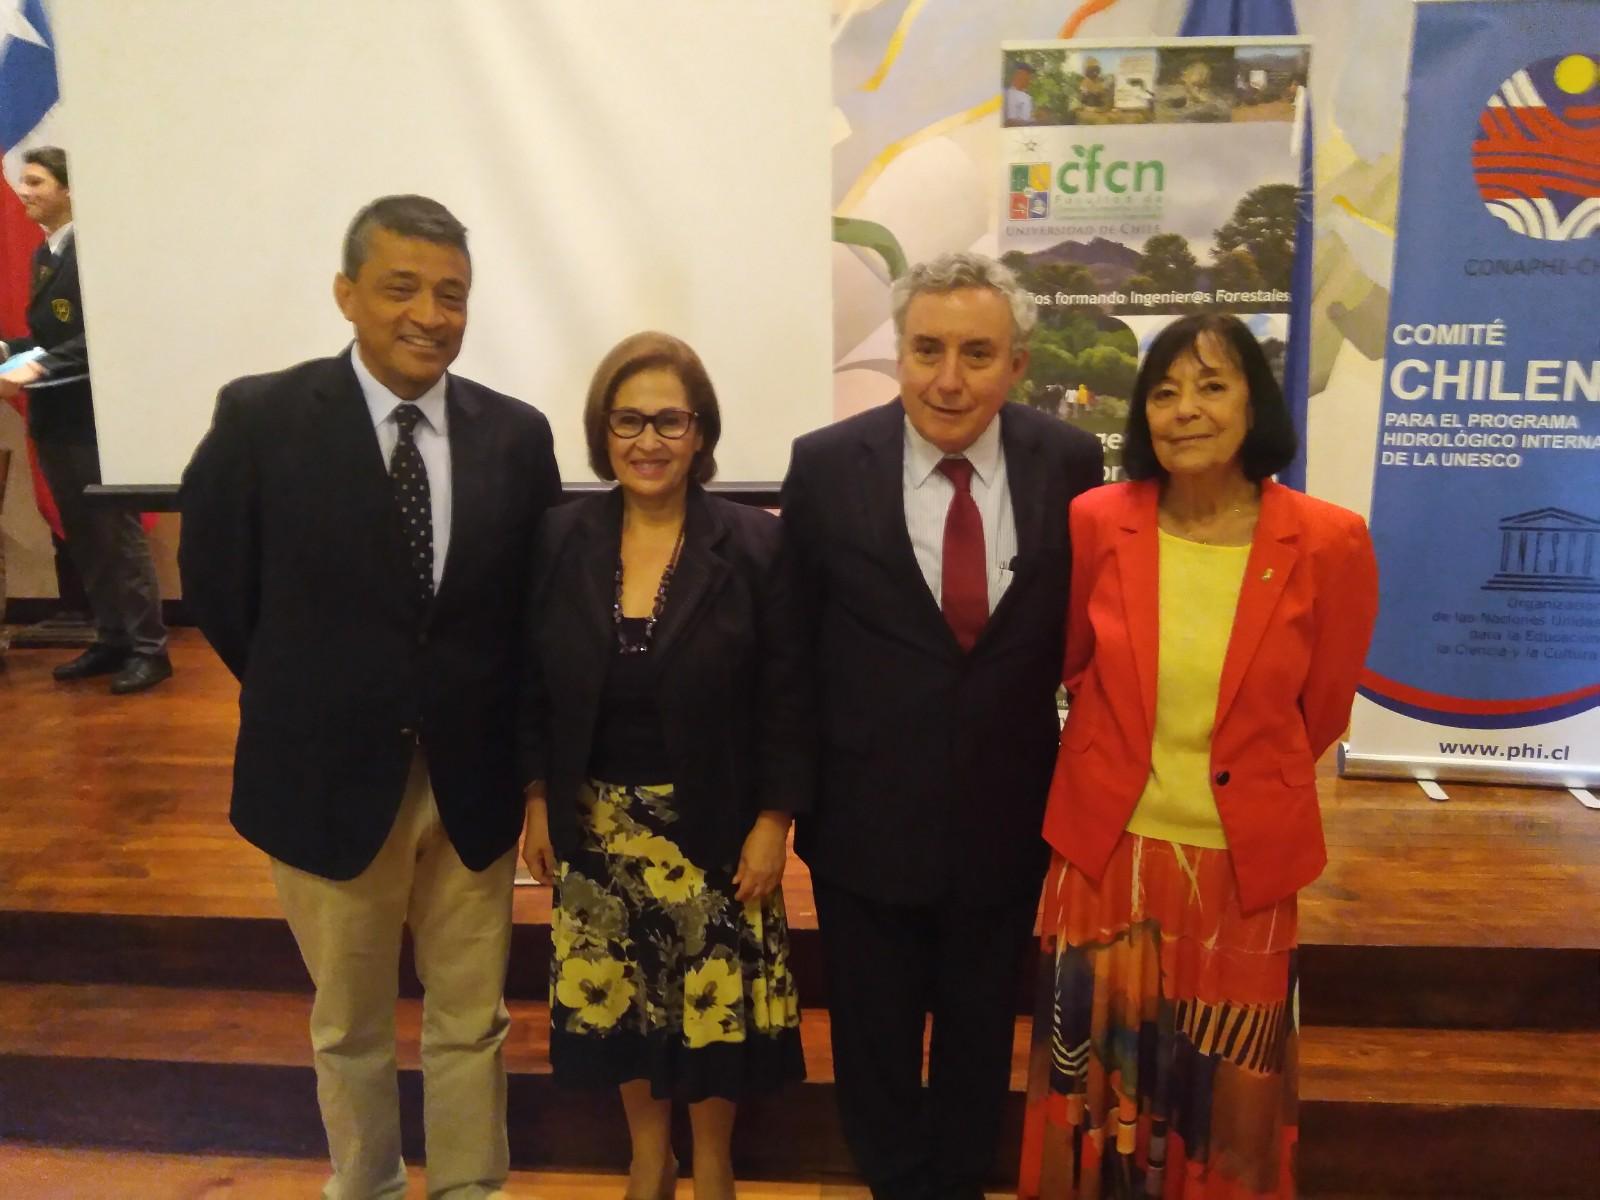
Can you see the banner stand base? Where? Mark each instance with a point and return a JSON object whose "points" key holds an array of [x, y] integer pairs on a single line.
{"points": [[1561, 776], [1585, 797]]}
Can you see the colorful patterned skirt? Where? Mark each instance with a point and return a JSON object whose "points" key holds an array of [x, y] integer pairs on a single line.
{"points": [[1164, 1047], [656, 972]]}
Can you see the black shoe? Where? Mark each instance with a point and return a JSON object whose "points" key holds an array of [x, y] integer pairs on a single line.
{"points": [[98, 659], [142, 672]]}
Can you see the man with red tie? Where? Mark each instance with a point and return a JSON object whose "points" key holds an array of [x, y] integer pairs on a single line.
{"points": [[933, 536]]}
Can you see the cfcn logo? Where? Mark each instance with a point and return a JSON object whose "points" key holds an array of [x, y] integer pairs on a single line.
{"points": [[1089, 174]]}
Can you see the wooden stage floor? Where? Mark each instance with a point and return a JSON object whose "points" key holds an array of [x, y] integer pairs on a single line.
{"points": [[119, 805], [1450, 969]]}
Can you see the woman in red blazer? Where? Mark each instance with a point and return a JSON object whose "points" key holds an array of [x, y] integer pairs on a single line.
{"points": [[1216, 628]]}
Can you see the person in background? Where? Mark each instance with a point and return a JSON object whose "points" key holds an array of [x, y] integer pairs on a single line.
{"points": [[1217, 626], [356, 539], [668, 742], [106, 542], [932, 539], [1019, 101]]}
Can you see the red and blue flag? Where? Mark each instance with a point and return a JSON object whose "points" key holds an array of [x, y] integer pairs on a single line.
{"points": [[28, 95]]}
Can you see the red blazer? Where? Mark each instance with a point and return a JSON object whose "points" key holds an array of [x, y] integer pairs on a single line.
{"points": [[1306, 611]]}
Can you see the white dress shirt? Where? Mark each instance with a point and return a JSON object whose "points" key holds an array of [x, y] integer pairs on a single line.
{"points": [[59, 238], [927, 500], [1019, 105], [432, 436]]}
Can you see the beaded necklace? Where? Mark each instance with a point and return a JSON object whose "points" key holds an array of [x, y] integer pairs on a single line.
{"points": [[624, 646]]}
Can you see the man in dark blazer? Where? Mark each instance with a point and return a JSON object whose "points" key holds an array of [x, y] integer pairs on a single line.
{"points": [[355, 545], [106, 543], [932, 535]]}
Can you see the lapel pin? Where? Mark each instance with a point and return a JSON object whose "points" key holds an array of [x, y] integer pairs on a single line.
{"points": [[1267, 574]]}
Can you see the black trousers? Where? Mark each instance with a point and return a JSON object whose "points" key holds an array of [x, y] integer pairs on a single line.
{"points": [[108, 547], [889, 966]]}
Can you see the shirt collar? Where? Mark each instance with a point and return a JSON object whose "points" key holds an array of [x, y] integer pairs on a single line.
{"points": [[923, 457], [381, 402], [59, 238]]}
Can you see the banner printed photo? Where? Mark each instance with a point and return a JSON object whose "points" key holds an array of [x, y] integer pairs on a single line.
{"points": [[1142, 181]]}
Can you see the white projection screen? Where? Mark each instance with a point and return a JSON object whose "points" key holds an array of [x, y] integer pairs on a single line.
{"points": [[619, 164]]}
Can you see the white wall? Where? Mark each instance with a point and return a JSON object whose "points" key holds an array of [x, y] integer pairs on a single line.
{"points": [[620, 165]]}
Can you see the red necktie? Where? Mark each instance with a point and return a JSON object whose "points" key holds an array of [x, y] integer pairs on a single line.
{"points": [[964, 573]]}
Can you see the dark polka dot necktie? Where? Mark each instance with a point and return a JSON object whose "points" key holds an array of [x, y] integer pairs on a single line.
{"points": [[410, 479]]}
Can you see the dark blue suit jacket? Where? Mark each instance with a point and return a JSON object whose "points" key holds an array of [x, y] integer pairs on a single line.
{"points": [[295, 568], [934, 764]]}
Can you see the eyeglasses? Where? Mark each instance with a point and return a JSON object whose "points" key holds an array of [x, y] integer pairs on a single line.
{"points": [[671, 423]]}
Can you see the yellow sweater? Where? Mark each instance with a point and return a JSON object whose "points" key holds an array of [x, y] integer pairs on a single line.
{"points": [[1199, 593]]}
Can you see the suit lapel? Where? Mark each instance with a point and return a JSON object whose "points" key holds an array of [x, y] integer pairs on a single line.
{"points": [[358, 476], [1138, 565], [881, 470], [700, 571], [350, 431], [595, 544], [576, 590], [1025, 477], [1025, 480], [44, 270], [47, 271], [471, 483], [1273, 552]]}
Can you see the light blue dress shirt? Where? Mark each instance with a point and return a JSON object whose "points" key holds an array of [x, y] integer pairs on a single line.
{"points": [[432, 436]]}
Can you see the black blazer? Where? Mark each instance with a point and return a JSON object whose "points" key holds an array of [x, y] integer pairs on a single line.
{"points": [[294, 566], [735, 698], [60, 405], [934, 764]]}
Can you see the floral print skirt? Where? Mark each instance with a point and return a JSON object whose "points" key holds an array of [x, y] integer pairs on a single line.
{"points": [[657, 972]]}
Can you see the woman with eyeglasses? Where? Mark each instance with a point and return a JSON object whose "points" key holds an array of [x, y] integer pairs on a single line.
{"points": [[667, 744]]}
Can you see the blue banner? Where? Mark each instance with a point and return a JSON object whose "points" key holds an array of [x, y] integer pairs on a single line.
{"points": [[1486, 496]]}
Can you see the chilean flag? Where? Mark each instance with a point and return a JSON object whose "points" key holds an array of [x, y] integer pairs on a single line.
{"points": [[1254, 18], [28, 93]]}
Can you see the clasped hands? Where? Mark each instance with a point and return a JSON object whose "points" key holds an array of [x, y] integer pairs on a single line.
{"points": [[761, 859]]}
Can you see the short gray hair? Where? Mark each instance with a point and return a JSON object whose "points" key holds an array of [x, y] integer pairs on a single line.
{"points": [[408, 216], [964, 269]]}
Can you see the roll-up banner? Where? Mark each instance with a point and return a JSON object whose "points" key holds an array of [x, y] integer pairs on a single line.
{"points": [[1486, 499], [1143, 180]]}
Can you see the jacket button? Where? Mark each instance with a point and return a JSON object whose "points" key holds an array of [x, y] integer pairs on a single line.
{"points": [[1222, 778]]}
